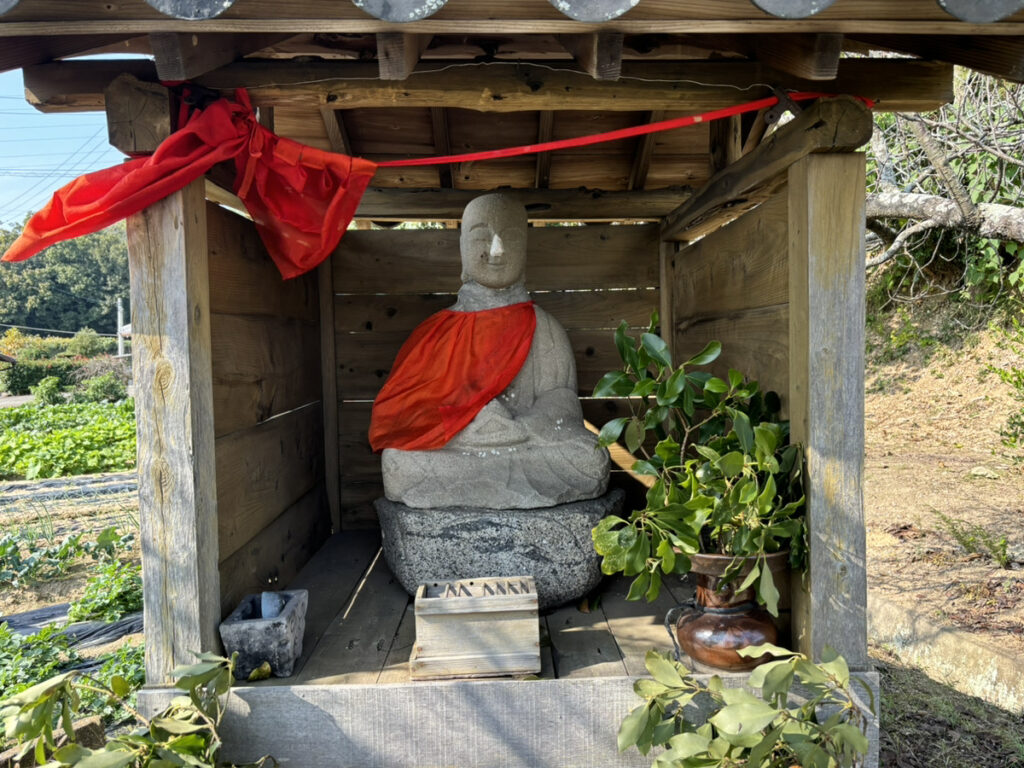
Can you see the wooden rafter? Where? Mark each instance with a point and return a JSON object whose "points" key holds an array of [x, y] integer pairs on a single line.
{"points": [[382, 204], [812, 57], [726, 142], [442, 145], [183, 56], [16, 52], [545, 130], [398, 53], [839, 124], [138, 115], [598, 53], [999, 56], [334, 124], [642, 157]]}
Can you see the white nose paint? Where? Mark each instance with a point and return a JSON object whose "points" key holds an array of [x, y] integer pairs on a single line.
{"points": [[497, 251]]}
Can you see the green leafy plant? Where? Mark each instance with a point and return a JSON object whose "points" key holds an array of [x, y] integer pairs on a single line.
{"points": [[24, 559], [827, 728], [68, 439], [88, 343], [1012, 432], [726, 480], [27, 659], [106, 388], [128, 663], [977, 540], [112, 593], [21, 377], [47, 391], [185, 733]]}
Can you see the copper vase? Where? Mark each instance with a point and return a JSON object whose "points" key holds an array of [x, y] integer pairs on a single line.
{"points": [[721, 621]]}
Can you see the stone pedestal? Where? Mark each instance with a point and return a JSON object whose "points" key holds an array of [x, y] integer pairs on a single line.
{"points": [[551, 544]]}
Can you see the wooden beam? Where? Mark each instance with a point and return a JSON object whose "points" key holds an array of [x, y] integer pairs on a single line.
{"points": [[599, 53], [265, 117], [184, 56], [811, 57], [334, 123], [398, 52], [895, 84], [545, 130], [726, 142], [826, 331], [999, 56], [644, 150], [17, 52], [172, 370], [839, 124], [442, 145], [541, 204], [138, 114]]}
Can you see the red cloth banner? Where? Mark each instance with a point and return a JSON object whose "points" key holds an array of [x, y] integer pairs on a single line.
{"points": [[452, 365]]}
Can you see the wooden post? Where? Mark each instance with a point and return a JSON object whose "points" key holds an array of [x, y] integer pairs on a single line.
{"points": [[329, 391], [826, 328], [170, 307]]}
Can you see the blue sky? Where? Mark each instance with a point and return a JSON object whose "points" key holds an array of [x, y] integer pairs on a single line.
{"points": [[40, 153]]}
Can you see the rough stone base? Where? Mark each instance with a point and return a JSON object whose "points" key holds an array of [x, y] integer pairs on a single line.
{"points": [[552, 544], [277, 640]]}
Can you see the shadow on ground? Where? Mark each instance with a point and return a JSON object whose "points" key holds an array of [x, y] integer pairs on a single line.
{"points": [[929, 725]]}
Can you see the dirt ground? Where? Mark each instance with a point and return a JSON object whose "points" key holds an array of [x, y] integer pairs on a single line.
{"points": [[933, 450]]}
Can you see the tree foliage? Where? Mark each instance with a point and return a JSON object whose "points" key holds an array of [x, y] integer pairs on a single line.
{"points": [[70, 285]]}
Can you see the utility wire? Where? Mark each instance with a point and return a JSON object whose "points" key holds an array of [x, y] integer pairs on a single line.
{"points": [[49, 330]]}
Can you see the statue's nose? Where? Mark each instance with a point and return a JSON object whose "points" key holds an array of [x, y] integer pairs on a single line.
{"points": [[497, 250]]}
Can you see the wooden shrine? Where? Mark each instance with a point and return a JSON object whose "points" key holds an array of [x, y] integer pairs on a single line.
{"points": [[253, 394]]}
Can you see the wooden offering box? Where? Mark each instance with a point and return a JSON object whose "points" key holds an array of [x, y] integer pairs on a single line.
{"points": [[476, 628]]}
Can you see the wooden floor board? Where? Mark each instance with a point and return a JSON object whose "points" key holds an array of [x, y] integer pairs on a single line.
{"points": [[582, 644], [396, 666], [356, 645]]}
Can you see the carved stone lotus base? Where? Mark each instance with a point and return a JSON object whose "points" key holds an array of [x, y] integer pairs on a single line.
{"points": [[551, 544]]}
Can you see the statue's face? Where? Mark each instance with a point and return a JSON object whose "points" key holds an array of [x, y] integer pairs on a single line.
{"points": [[493, 241]]}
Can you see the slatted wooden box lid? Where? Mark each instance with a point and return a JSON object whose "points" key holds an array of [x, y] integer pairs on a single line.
{"points": [[476, 628]]}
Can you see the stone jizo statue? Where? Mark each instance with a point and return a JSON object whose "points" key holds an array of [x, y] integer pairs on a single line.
{"points": [[481, 408]]}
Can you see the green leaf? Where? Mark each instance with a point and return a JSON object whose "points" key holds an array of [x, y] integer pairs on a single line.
{"points": [[667, 555], [614, 384], [71, 753], [648, 689], [768, 592], [655, 588], [739, 724], [172, 725], [633, 727], [751, 578], [716, 385], [835, 665], [663, 670], [656, 347], [610, 432], [106, 759], [735, 378], [753, 651], [120, 686], [639, 585], [731, 465], [667, 450], [644, 388], [634, 435], [853, 736], [674, 386], [744, 432], [626, 345], [707, 355], [686, 745]]}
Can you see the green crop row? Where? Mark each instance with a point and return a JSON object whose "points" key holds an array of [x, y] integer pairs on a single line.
{"points": [[62, 440]]}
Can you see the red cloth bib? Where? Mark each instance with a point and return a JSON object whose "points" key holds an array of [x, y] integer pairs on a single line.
{"points": [[452, 365], [301, 198]]}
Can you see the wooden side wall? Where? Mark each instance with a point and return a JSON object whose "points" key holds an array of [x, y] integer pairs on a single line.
{"points": [[733, 286], [590, 278], [267, 412]]}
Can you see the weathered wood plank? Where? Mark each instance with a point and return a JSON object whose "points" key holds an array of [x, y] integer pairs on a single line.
{"points": [[356, 645], [383, 204], [638, 626], [263, 470], [582, 644], [836, 124], [396, 666], [330, 577], [741, 266], [598, 53], [174, 399], [262, 367], [398, 52], [24, 51], [894, 84], [243, 279], [273, 557], [186, 55], [999, 56], [597, 256], [329, 391], [826, 329], [357, 512], [573, 309], [138, 114], [810, 56], [754, 342]]}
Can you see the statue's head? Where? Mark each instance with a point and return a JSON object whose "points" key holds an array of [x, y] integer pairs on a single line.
{"points": [[493, 241]]}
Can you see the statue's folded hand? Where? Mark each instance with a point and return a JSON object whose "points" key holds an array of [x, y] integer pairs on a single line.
{"points": [[495, 426]]}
